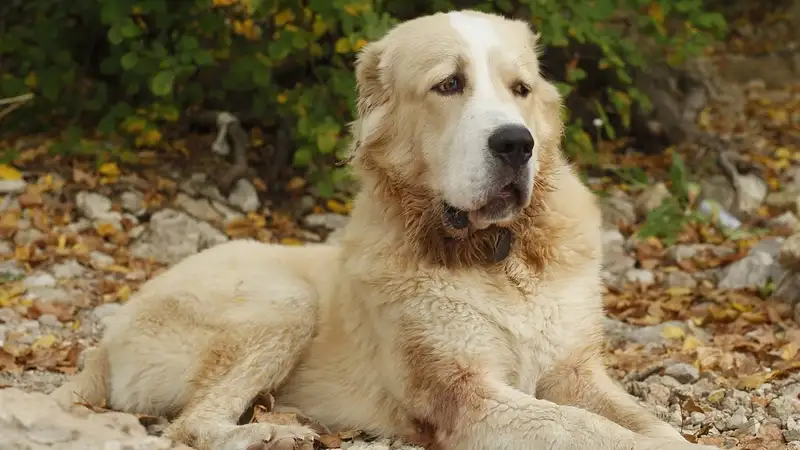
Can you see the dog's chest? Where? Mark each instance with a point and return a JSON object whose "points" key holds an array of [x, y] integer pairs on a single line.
{"points": [[543, 326]]}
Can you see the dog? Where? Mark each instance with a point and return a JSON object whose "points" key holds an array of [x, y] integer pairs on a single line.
{"points": [[461, 307]]}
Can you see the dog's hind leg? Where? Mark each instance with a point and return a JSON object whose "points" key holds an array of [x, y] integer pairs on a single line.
{"points": [[237, 367]]}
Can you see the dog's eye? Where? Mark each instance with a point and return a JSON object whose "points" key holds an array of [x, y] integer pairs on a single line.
{"points": [[454, 84], [520, 89]]}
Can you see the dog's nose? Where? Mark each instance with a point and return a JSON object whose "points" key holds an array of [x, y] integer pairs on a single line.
{"points": [[512, 143]]}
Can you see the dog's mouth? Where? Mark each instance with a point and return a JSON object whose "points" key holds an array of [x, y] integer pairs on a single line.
{"points": [[499, 206]]}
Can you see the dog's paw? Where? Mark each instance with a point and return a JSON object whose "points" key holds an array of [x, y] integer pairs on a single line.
{"points": [[671, 444], [266, 436]]}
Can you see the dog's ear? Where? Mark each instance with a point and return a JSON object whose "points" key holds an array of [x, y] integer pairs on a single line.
{"points": [[369, 78]]}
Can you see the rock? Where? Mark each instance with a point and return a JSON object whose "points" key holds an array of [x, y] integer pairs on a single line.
{"points": [[330, 221], [640, 277], [783, 200], [105, 311], [788, 289], [40, 280], [792, 432], [737, 420], [226, 211], [244, 196], [617, 211], [6, 248], [306, 203], [68, 269], [198, 207], [789, 255], [100, 259], [93, 205], [12, 186], [679, 279], [623, 332], [651, 198], [755, 269], [172, 235], [787, 220], [680, 252], [782, 407], [80, 225], [719, 189], [33, 421], [684, 373], [797, 312], [49, 320], [199, 184], [615, 258], [10, 270], [133, 202], [752, 191], [48, 294], [27, 236]]}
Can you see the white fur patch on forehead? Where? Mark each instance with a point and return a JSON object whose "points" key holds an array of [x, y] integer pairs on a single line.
{"points": [[479, 32], [480, 36]]}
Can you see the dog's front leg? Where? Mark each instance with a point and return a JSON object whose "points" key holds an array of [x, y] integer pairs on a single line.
{"points": [[473, 409], [503, 418], [583, 381]]}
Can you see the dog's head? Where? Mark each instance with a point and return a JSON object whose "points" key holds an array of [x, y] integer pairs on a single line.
{"points": [[455, 117]]}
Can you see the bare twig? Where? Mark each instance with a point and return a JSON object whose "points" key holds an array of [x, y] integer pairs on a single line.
{"points": [[13, 103], [229, 128]]}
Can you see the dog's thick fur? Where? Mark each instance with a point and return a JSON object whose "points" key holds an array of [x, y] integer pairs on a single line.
{"points": [[408, 327]]}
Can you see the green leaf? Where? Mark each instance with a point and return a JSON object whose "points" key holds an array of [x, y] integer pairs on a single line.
{"points": [[161, 83], [326, 142], [262, 78], [129, 60], [302, 157], [114, 36]]}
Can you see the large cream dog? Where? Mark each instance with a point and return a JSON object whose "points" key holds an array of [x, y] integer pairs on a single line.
{"points": [[462, 305]]}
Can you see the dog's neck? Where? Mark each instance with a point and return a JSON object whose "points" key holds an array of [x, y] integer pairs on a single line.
{"points": [[429, 234]]}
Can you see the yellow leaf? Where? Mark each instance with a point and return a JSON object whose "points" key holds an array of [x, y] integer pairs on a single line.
{"points": [[783, 153], [338, 207], [124, 292], [31, 80], [351, 10], [45, 341], [109, 169], [283, 17], [359, 44], [291, 241], [134, 125], [673, 332], [319, 28], [282, 98], [704, 119], [76, 325], [342, 45], [789, 351], [9, 173], [755, 380], [678, 291], [716, 396], [106, 229], [656, 13], [691, 343]]}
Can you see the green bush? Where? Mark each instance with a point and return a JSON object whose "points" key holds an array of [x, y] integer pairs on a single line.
{"points": [[134, 68]]}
